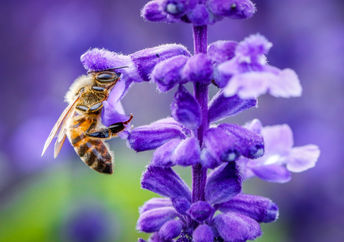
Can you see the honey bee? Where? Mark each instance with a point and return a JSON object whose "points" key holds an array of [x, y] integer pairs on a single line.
{"points": [[81, 120]]}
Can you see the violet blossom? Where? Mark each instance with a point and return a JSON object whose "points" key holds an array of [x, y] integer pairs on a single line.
{"points": [[216, 208]]}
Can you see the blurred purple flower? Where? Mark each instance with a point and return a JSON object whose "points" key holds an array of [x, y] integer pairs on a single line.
{"points": [[250, 76], [89, 223], [280, 157]]}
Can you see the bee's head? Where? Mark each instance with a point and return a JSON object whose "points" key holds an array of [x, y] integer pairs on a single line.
{"points": [[107, 78]]}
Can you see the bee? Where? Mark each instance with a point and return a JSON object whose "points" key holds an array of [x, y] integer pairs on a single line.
{"points": [[81, 120]]}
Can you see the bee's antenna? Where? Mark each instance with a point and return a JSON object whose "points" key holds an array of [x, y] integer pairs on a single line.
{"points": [[121, 67]]}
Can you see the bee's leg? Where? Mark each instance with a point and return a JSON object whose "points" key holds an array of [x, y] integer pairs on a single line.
{"points": [[111, 131]]}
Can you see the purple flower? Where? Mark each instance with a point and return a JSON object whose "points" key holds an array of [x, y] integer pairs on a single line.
{"points": [[281, 157], [136, 67], [250, 76], [197, 13], [238, 218]]}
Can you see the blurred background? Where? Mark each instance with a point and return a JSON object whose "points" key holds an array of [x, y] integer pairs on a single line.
{"points": [[42, 199]]}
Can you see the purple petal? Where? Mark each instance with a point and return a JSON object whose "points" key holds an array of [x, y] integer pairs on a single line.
{"points": [[303, 158], [208, 161], [185, 109], [253, 49], [255, 125], [221, 145], [201, 211], [145, 60], [251, 145], [152, 220], [153, 11], [249, 84], [181, 204], [287, 84], [167, 73], [259, 208], [155, 203], [236, 9], [272, 173], [278, 139], [221, 107], [102, 59], [113, 111], [199, 15], [163, 155], [170, 230], [221, 51], [236, 227], [203, 233], [151, 136], [223, 184], [141, 240], [166, 182], [198, 69], [187, 152]]}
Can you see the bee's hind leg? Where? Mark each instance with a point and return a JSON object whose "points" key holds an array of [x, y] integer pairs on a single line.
{"points": [[110, 131]]}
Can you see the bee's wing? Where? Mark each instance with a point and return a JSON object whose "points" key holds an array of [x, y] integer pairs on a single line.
{"points": [[58, 125], [59, 144]]}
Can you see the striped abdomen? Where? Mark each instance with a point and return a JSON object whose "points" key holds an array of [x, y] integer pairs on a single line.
{"points": [[93, 152]]}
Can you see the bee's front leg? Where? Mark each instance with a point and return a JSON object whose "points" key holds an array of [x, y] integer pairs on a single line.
{"points": [[111, 131]]}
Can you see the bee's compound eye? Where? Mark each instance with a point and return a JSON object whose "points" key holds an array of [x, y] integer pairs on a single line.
{"points": [[106, 77]]}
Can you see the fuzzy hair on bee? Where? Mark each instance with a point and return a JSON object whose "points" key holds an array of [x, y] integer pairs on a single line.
{"points": [[77, 85]]}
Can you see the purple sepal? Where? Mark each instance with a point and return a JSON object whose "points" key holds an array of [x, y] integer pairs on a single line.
{"points": [[221, 145], [237, 227], [199, 15], [163, 155], [113, 111], [223, 184], [272, 173], [221, 107], [151, 136], [166, 182], [250, 144], [185, 109], [153, 11], [167, 73], [203, 233], [102, 59], [152, 220], [181, 204], [187, 152], [145, 60], [201, 211], [261, 209], [236, 9], [221, 51], [155, 203], [170, 230], [198, 69]]}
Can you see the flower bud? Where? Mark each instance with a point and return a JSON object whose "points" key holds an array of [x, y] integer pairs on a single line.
{"points": [[152, 11], [163, 155], [152, 220], [198, 69], [250, 144], [203, 233], [167, 73], [187, 152], [221, 51], [201, 211], [236, 9], [170, 230], [185, 109], [145, 60]]}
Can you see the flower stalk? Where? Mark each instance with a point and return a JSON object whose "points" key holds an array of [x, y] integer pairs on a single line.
{"points": [[199, 174]]}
